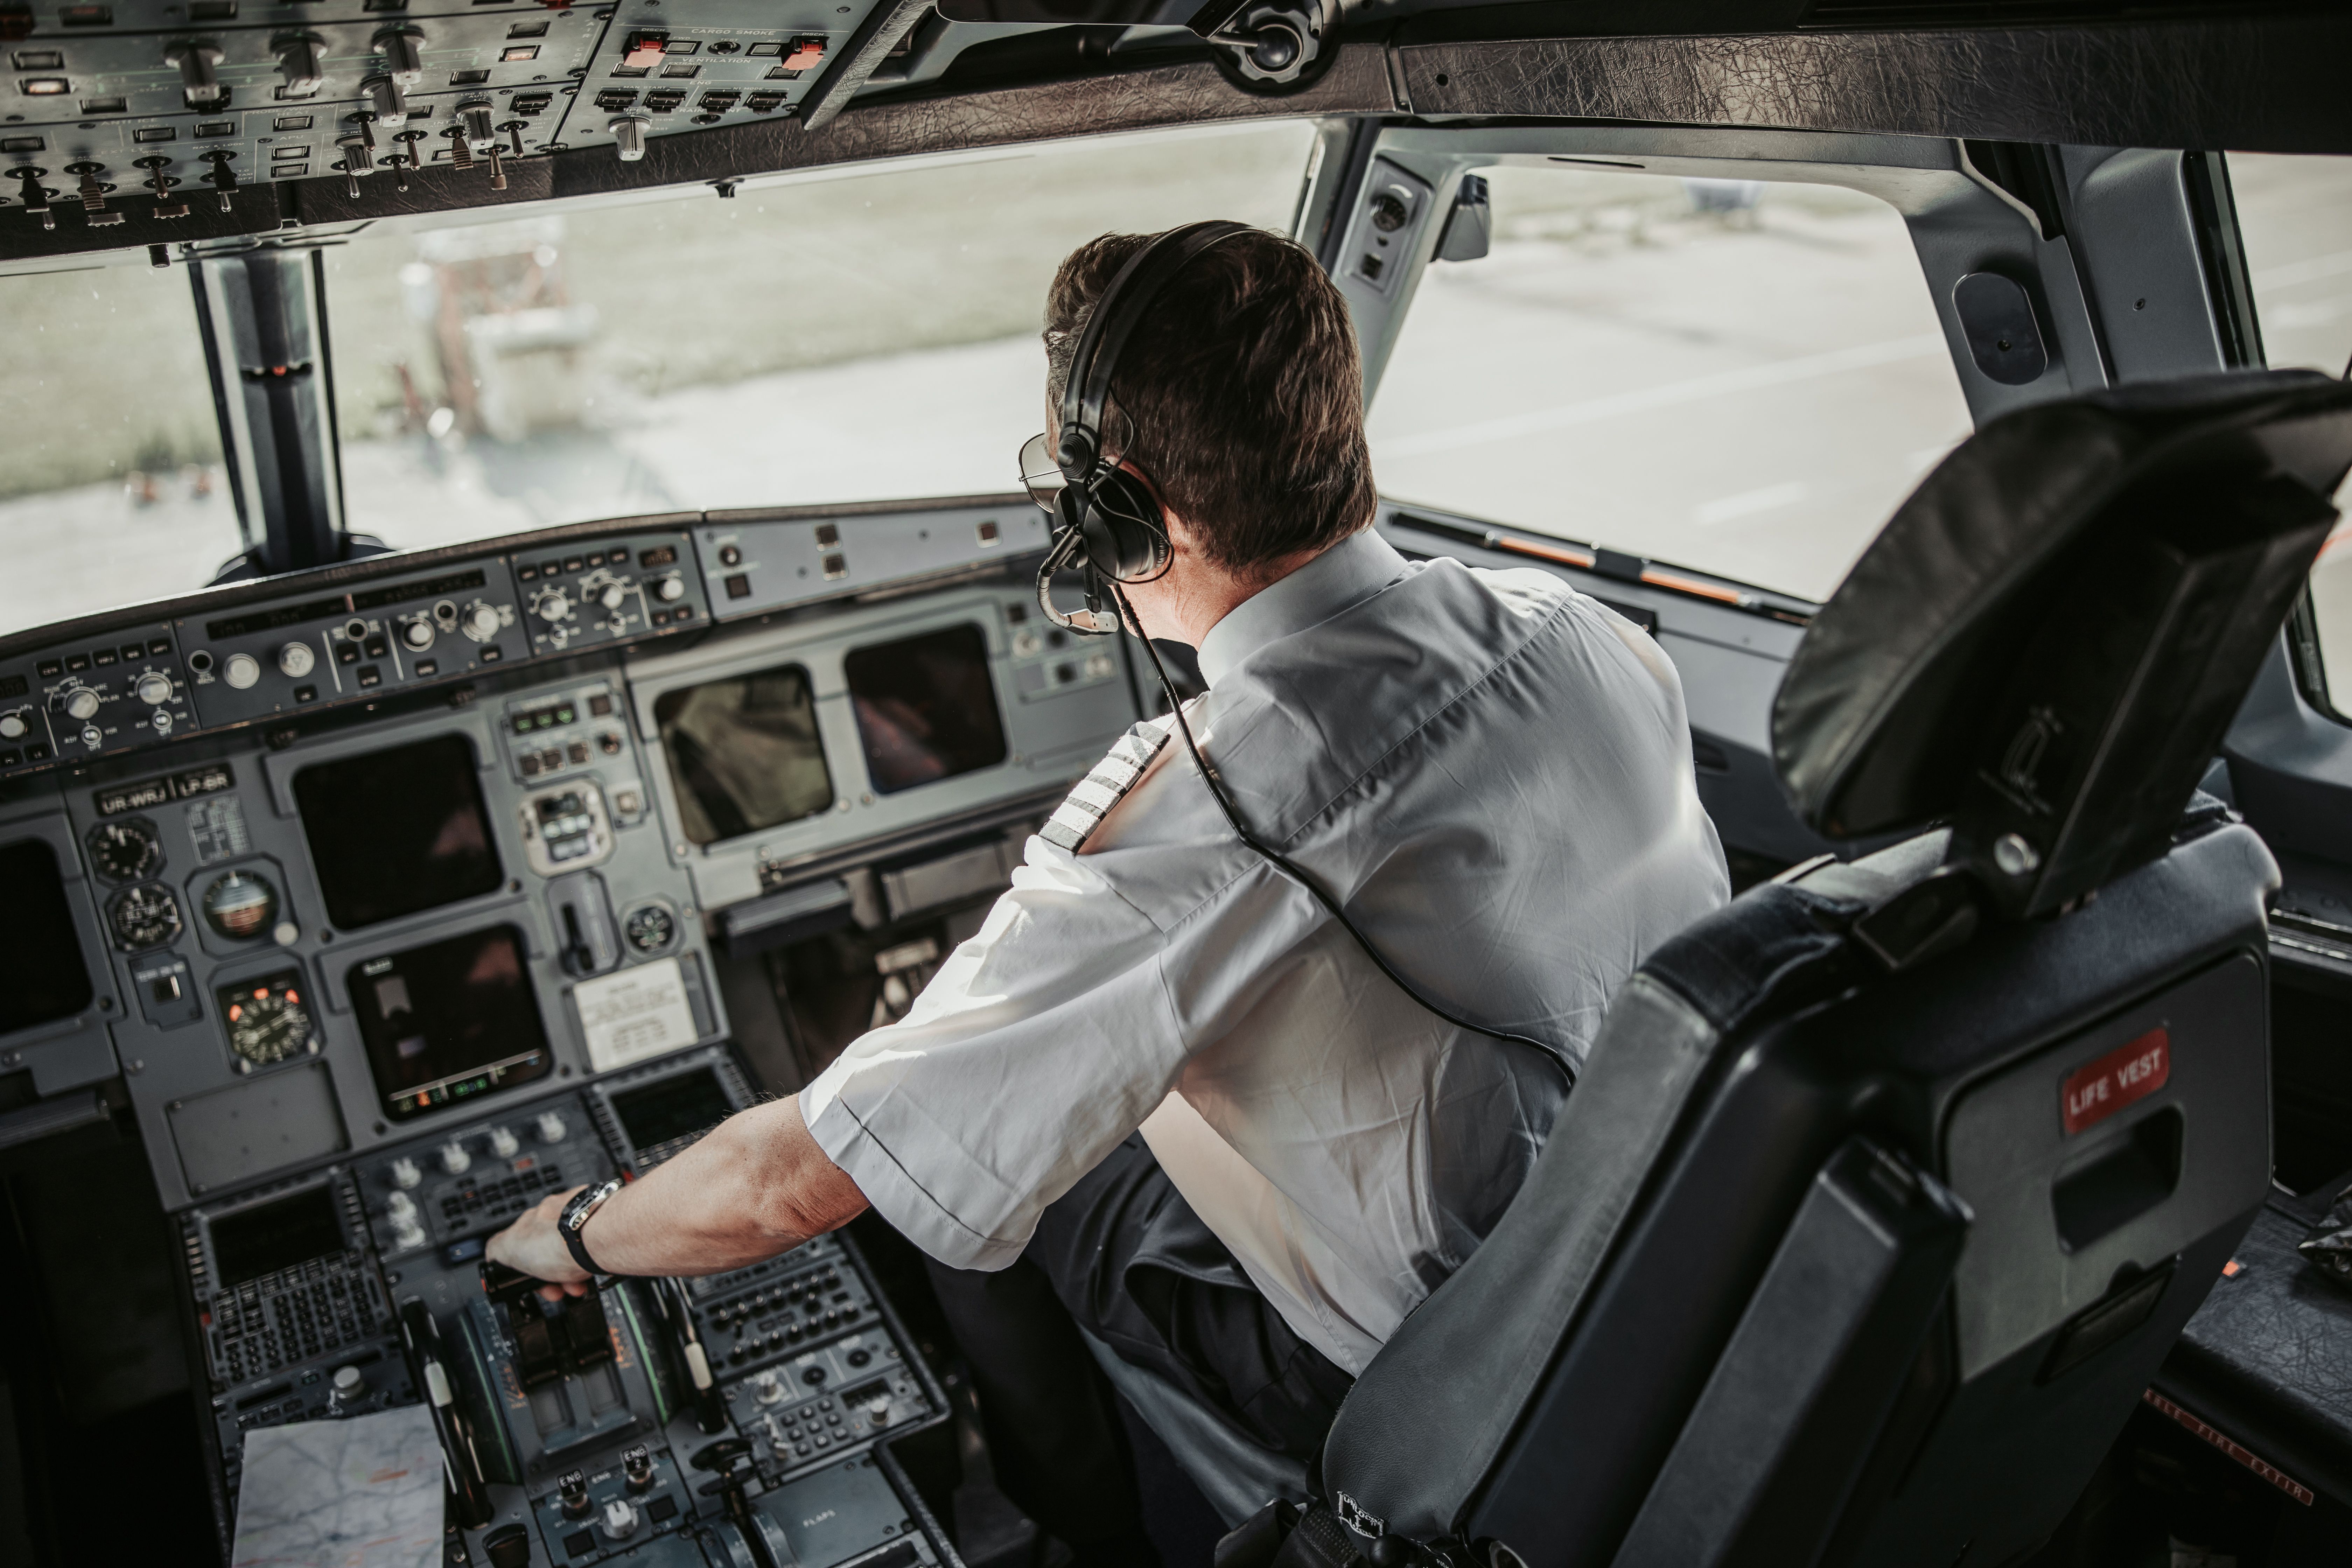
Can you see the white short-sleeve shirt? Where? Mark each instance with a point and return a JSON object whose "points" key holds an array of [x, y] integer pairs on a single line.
{"points": [[1491, 771]]}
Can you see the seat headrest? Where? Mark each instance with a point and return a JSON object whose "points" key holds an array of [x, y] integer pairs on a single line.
{"points": [[2046, 643]]}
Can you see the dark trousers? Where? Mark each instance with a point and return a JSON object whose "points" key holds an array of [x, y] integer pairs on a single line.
{"points": [[1123, 1256]]}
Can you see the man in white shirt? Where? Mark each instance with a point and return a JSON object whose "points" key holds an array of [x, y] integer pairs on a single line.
{"points": [[1163, 1095]]}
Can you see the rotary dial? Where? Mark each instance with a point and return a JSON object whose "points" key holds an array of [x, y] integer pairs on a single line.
{"points": [[126, 849], [650, 929], [144, 917], [266, 1020]]}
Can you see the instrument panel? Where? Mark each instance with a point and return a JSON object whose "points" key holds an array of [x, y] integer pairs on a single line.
{"points": [[402, 894]]}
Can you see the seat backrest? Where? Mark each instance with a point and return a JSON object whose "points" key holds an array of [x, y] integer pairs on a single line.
{"points": [[1885, 1188]]}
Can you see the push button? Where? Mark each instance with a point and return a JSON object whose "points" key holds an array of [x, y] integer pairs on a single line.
{"points": [[371, 676]]}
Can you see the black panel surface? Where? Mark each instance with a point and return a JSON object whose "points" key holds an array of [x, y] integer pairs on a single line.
{"points": [[744, 753], [276, 1234], [926, 708], [397, 831], [47, 980], [452, 1020]]}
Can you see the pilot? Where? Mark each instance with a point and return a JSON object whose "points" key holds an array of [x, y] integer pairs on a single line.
{"points": [[1164, 1100]]}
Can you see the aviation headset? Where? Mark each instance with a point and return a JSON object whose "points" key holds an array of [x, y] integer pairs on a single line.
{"points": [[1108, 523]]}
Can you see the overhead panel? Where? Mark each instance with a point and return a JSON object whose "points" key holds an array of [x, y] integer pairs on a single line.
{"points": [[193, 103]]}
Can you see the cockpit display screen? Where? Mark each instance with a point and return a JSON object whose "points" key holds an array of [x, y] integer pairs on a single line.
{"points": [[926, 708], [743, 752], [46, 977], [453, 1020], [273, 1236], [671, 1108], [397, 831]]}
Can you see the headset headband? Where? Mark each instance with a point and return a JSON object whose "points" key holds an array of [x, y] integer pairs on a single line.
{"points": [[1086, 390]]}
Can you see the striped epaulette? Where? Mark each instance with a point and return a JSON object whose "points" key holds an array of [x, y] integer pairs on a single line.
{"points": [[1083, 811]]}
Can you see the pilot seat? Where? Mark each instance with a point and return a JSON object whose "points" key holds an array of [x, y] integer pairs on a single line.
{"points": [[1886, 1187]]}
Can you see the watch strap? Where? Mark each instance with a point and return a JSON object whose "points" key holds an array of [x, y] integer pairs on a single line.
{"points": [[574, 1220]]}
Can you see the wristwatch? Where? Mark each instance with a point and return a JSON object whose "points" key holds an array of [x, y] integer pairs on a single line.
{"points": [[575, 1215]]}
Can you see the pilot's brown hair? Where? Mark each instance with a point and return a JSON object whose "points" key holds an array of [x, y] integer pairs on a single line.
{"points": [[1241, 395]]}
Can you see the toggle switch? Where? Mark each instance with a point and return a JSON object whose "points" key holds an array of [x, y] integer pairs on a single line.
{"points": [[461, 156], [223, 179], [355, 160], [36, 199], [514, 128], [301, 63], [200, 81], [157, 181], [629, 136], [92, 192]]}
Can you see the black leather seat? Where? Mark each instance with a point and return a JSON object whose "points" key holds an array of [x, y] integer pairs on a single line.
{"points": [[1886, 1188]]}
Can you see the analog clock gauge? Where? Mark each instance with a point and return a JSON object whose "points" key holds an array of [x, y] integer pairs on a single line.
{"points": [[142, 917], [126, 849], [267, 1021]]}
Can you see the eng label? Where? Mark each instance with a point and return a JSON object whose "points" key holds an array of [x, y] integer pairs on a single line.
{"points": [[2096, 1090]]}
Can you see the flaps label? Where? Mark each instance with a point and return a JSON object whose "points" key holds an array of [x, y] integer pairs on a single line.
{"points": [[2131, 1072]]}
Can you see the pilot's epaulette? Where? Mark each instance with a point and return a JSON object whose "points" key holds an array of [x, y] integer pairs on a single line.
{"points": [[1083, 811]]}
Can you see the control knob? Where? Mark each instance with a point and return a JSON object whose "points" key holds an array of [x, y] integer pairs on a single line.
{"points": [[82, 703], [767, 1388], [482, 623], [349, 1382], [401, 1209], [503, 1143], [301, 62], [454, 1158], [613, 596], [553, 607], [155, 689], [670, 589], [620, 1518], [13, 726], [295, 659], [552, 1129], [404, 1173], [417, 634], [241, 670]]}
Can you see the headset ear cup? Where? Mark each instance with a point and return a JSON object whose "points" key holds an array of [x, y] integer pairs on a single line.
{"points": [[1126, 538]]}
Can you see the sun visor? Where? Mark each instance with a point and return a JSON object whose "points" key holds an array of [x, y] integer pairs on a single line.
{"points": [[2047, 641]]}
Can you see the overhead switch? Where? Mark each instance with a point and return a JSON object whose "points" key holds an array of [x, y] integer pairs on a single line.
{"points": [[398, 46], [384, 95], [200, 81], [301, 63], [643, 50], [806, 54]]}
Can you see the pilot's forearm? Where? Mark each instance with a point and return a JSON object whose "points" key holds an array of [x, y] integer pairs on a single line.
{"points": [[757, 1185]]}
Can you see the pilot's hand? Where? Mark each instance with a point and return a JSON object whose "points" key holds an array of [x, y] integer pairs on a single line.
{"points": [[533, 1246]]}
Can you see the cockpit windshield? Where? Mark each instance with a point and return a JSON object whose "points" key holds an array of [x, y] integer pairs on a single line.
{"points": [[863, 334], [112, 488]]}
